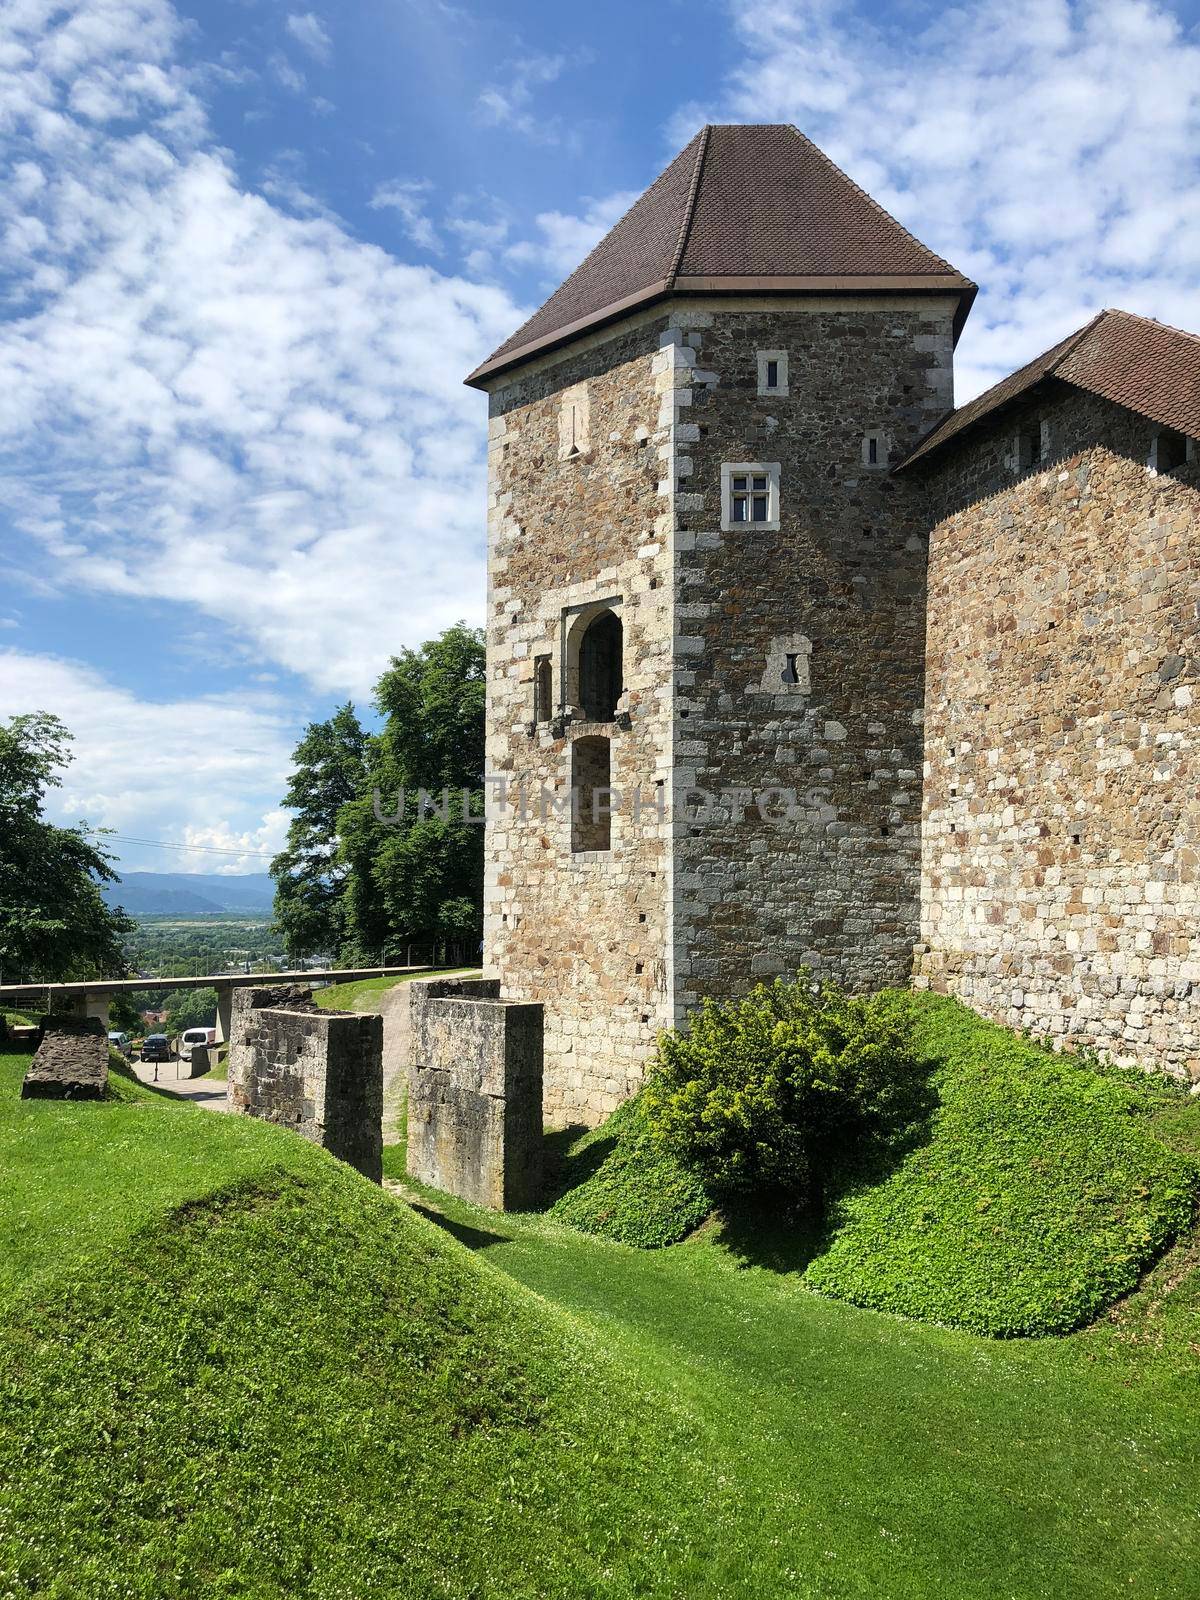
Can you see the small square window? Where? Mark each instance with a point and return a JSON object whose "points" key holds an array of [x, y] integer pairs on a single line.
{"points": [[1169, 451], [1032, 446], [772, 372], [750, 495]]}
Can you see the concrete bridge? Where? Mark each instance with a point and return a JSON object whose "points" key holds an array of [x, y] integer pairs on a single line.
{"points": [[91, 998]]}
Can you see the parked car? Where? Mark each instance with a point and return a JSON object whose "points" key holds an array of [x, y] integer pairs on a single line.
{"points": [[157, 1047], [195, 1036], [121, 1042]]}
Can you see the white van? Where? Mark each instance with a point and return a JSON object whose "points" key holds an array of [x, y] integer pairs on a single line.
{"points": [[195, 1036]]}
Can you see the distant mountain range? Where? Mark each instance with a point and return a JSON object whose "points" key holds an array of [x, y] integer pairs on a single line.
{"points": [[149, 894]]}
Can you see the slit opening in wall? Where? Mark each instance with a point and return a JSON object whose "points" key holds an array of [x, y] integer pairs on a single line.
{"points": [[543, 708]]}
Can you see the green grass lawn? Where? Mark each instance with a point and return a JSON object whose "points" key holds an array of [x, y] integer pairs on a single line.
{"points": [[356, 996], [231, 1367]]}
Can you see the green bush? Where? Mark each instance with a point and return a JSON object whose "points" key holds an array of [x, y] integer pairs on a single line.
{"points": [[785, 1090], [1040, 1197], [621, 1184]]}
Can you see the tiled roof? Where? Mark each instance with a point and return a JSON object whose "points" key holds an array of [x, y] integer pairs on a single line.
{"points": [[1147, 366], [743, 208]]}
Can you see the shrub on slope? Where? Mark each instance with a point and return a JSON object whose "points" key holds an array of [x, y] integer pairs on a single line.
{"points": [[1038, 1200], [619, 1183]]}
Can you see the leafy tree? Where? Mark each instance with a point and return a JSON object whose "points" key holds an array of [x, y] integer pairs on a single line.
{"points": [[418, 881], [54, 923], [329, 772], [123, 1014], [191, 1008]]}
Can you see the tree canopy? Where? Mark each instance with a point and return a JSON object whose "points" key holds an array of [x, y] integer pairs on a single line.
{"points": [[330, 771], [54, 923], [363, 875]]}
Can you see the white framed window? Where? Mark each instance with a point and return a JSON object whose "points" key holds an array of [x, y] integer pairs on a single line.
{"points": [[875, 449], [772, 372], [749, 495]]}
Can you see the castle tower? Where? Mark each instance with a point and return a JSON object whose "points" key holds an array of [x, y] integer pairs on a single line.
{"points": [[706, 595]]}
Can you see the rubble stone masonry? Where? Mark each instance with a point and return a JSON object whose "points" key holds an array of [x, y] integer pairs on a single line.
{"points": [[829, 878], [1061, 854], [605, 489], [582, 931]]}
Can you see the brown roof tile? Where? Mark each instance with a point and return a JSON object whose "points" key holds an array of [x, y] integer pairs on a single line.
{"points": [[742, 207], [1147, 366]]}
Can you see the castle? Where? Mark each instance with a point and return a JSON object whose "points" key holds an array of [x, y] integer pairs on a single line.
{"points": [[789, 662]]}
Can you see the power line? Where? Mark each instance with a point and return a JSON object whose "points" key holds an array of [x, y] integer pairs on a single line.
{"points": [[164, 844]]}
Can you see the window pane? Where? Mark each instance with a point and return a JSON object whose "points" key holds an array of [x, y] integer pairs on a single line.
{"points": [[739, 508], [739, 483], [760, 508], [772, 374], [760, 483]]}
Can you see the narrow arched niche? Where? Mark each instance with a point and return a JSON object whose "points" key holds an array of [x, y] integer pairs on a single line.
{"points": [[591, 775], [543, 697], [601, 668]]}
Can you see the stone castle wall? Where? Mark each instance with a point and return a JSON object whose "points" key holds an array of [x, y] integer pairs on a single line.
{"points": [[1061, 857], [833, 880], [582, 931]]}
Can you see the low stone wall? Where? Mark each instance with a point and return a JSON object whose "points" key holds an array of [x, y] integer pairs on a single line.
{"points": [[70, 1063], [316, 1072], [475, 1092]]}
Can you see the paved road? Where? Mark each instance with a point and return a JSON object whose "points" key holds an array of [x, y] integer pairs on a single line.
{"points": [[208, 1092]]}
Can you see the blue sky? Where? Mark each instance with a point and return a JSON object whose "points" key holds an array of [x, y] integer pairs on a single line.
{"points": [[248, 250]]}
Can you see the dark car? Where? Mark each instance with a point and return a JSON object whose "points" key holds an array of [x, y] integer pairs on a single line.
{"points": [[156, 1047]]}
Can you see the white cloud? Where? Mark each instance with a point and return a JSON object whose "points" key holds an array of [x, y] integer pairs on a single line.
{"points": [[563, 239], [205, 399], [1050, 148], [197, 772], [311, 34], [510, 104], [407, 200], [283, 71]]}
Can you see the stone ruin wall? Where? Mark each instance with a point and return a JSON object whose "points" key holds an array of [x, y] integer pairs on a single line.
{"points": [[475, 1093], [1061, 855], [841, 585], [317, 1073], [583, 932], [70, 1062]]}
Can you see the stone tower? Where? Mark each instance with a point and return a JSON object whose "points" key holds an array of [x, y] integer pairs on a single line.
{"points": [[706, 604]]}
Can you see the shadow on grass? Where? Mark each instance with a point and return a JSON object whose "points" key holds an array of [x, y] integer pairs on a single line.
{"points": [[568, 1161], [473, 1238], [783, 1235]]}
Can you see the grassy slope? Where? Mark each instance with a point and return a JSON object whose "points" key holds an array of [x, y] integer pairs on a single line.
{"points": [[863, 1455], [617, 1184], [1041, 1196], [230, 1366], [356, 996], [282, 1375], [1044, 1190]]}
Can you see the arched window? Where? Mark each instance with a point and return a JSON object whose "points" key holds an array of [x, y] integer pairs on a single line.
{"points": [[543, 705], [600, 682], [591, 772]]}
